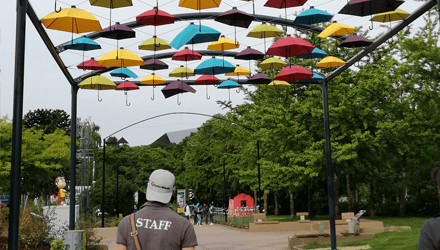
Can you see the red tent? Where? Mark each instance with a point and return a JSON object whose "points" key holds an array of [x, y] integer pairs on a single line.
{"points": [[241, 205]]}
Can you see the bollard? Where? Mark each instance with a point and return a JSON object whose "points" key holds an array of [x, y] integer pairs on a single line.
{"points": [[73, 240], [320, 228], [351, 227]]}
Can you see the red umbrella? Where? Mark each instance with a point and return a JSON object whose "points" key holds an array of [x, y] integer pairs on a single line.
{"points": [[91, 64], [279, 4], [207, 79], [186, 55], [293, 73], [126, 86], [155, 17], [290, 46]]}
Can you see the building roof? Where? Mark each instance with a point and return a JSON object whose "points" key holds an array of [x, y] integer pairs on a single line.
{"points": [[175, 137]]}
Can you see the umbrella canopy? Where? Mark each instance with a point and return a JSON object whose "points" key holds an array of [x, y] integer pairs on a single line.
{"points": [[316, 53], [228, 84], [97, 82], [186, 55], [123, 73], [112, 4], [83, 43], [118, 32], [199, 4], [260, 78], [272, 63], [155, 17], [280, 4], [278, 85], [194, 34], [293, 73], [175, 88], [330, 62], [239, 71], [127, 86], [315, 78], [290, 46], [154, 64], [155, 44], [249, 54], [71, 20], [235, 18], [120, 58], [214, 66], [181, 72], [153, 80], [369, 7], [91, 64], [223, 44], [336, 29], [312, 16], [207, 79], [390, 16], [264, 30], [355, 41]]}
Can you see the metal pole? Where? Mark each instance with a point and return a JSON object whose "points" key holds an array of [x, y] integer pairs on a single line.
{"points": [[224, 191], [259, 177], [207, 190], [17, 124], [331, 201], [103, 184], [117, 190], [73, 121]]}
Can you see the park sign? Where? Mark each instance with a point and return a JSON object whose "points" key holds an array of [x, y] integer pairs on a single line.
{"points": [[181, 197], [4, 198]]}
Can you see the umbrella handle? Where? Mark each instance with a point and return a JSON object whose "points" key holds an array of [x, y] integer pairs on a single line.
{"points": [[99, 100], [57, 11], [126, 101], [152, 98], [371, 28], [157, 45], [207, 97], [178, 103], [237, 90]]}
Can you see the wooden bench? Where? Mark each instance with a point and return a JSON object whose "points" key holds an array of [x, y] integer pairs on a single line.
{"points": [[302, 217], [347, 216], [259, 217]]}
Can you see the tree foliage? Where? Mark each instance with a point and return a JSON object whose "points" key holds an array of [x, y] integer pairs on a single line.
{"points": [[47, 120]]}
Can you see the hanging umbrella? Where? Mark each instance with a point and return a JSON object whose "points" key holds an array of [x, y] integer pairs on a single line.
{"points": [[280, 4], [239, 71], [369, 7], [207, 79], [127, 86], [193, 34], [153, 80], [316, 53], [176, 88], [214, 66], [97, 82], [235, 18], [336, 29], [123, 73], [249, 54], [118, 32], [228, 84], [278, 85], [293, 73], [154, 44], [186, 55], [111, 4], [264, 30], [154, 64], [355, 41], [290, 46], [330, 62], [181, 72], [223, 44], [84, 44], [272, 63], [390, 16], [120, 58], [199, 5], [155, 17], [315, 78], [91, 64], [258, 79], [312, 16]]}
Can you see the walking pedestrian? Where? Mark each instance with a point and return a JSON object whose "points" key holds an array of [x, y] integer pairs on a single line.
{"points": [[205, 213], [211, 213], [196, 207], [199, 215], [187, 211]]}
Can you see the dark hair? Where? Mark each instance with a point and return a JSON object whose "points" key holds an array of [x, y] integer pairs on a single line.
{"points": [[435, 175]]}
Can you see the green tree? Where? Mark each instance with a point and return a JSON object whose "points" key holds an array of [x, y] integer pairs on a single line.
{"points": [[47, 120]]}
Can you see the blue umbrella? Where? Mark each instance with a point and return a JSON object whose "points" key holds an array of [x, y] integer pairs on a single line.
{"points": [[316, 53], [229, 84], [214, 66], [312, 16], [123, 73], [83, 43], [315, 78], [193, 34]]}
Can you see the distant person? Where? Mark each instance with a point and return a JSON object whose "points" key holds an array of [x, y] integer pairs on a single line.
{"points": [[196, 207], [430, 232], [156, 226], [187, 211], [211, 213], [205, 213], [199, 215]]}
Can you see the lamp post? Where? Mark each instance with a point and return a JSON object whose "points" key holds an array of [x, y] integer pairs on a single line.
{"points": [[224, 190]]}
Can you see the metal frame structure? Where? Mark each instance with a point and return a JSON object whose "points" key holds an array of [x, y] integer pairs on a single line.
{"points": [[23, 7]]}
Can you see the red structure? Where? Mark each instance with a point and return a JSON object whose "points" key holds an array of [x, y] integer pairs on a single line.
{"points": [[241, 205]]}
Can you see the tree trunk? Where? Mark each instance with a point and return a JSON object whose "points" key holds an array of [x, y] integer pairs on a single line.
{"points": [[350, 207], [403, 190], [265, 203], [372, 212], [276, 204], [310, 199], [336, 192], [255, 199], [292, 205], [357, 194]]}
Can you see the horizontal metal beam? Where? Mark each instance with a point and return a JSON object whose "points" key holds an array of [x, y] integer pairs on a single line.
{"points": [[416, 14], [242, 81], [212, 15]]}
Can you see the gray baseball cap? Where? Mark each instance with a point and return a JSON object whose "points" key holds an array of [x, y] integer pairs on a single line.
{"points": [[160, 186]]}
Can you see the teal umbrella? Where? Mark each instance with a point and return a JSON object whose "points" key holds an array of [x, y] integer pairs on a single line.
{"points": [[194, 34], [316, 53], [312, 16], [123, 73], [229, 84], [214, 66], [84, 44]]}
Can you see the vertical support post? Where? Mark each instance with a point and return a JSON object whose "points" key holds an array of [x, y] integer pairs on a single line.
{"points": [[259, 178], [331, 201], [207, 189], [117, 190], [17, 124], [73, 117], [224, 191], [103, 185]]}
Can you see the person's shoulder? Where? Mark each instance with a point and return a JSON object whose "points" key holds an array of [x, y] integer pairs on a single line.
{"points": [[433, 222], [124, 221]]}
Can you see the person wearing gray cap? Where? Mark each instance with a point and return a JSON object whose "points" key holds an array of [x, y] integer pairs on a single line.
{"points": [[156, 226]]}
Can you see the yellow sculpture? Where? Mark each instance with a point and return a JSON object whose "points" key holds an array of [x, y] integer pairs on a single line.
{"points": [[61, 183]]}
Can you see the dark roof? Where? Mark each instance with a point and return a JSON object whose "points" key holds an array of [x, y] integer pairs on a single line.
{"points": [[175, 137], [122, 141]]}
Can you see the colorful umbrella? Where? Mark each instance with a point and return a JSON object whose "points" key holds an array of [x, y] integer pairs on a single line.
{"points": [[154, 44], [330, 62], [118, 32], [186, 55], [369, 7], [315, 78], [229, 84], [155, 17], [312, 16], [200, 5], [258, 79], [390, 16], [153, 80], [278, 85], [207, 79], [97, 82], [355, 41], [182, 72], [194, 34], [223, 44], [235, 18], [154, 64], [123, 73], [239, 71], [127, 86], [279, 4], [249, 54], [111, 4], [272, 63], [293, 73], [290, 46], [336, 29], [83, 43], [214, 66], [316, 53], [120, 58], [91, 64], [264, 30], [176, 88]]}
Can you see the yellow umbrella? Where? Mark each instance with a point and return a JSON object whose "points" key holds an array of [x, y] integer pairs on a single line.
{"points": [[336, 29], [71, 20], [120, 58], [154, 43], [181, 72], [330, 61], [112, 4], [97, 82], [278, 85], [390, 16], [239, 71], [264, 30], [199, 4], [153, 80], [272, 63], [223, 44]]}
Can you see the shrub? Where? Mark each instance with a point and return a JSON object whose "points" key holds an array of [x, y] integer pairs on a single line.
{"points": [[57, 244], [91, 240], [33, 230]]}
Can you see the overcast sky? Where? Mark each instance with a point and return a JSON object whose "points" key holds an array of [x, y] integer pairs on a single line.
{"points": [[46, 86]]}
